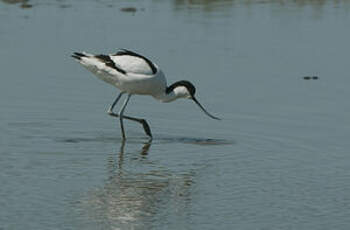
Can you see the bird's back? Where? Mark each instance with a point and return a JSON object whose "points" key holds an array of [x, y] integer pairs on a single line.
{"points": [[126, 70], [131, 64]]}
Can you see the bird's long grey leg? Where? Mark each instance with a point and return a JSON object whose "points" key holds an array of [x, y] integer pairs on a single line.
{"points": [[110, 110], [121, 115], [139, 120], [144, 123]]}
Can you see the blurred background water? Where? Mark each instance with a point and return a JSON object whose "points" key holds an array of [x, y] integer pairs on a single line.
{"points": [[279, 159]]}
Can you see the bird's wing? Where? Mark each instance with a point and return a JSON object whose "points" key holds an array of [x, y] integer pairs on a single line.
{"points": [[98, 63], [132, 62], [124, 62]]}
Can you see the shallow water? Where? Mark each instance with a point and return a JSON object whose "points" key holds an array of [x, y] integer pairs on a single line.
{"points": [[278, 159]]}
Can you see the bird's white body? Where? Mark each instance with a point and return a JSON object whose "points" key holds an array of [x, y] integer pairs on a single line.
{"points": [[138, 79], [133, 73]]}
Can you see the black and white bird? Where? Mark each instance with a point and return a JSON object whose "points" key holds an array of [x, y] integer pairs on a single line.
{"points": [[132, 74]]}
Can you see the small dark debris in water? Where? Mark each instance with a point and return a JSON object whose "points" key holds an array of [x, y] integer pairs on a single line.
{"points": [[310, 77], [71, 141], [14, 1], [128, 9], [64, 6], [26, 6]]}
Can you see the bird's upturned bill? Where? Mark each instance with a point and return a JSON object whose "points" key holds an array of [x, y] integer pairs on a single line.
{"points": [[204, 110]]}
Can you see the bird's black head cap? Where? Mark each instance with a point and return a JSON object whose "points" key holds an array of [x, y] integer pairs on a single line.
{"points": [[188, 85], [192, 90]]}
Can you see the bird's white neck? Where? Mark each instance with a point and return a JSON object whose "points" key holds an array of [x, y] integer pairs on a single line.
{"points": [[166, 97], [178, 92]]}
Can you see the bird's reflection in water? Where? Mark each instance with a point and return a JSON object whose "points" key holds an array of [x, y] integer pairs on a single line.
{"points": [[139, 191]]}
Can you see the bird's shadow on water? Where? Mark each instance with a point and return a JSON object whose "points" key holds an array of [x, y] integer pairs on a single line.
{"points": [[194, 140], [159, 140]]}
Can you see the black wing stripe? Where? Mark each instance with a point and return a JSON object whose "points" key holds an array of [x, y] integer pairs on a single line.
{"points": [[131, 53], [109, 62]]}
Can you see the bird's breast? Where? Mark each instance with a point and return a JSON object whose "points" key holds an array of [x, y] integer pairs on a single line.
{"points": [[143, 84]]}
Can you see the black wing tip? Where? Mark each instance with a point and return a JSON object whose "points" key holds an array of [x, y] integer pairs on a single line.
{"points": [[78, 56]]}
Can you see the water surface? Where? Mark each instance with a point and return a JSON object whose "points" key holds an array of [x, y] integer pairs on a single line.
{"points": [[278, 159]]}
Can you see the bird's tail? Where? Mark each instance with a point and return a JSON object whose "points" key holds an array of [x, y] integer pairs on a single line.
{"points": [[89, 61], [77, 55], [85, 59]]}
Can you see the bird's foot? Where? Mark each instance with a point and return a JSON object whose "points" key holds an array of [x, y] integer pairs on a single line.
{"points": [[146, 128], [144, 123]]}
